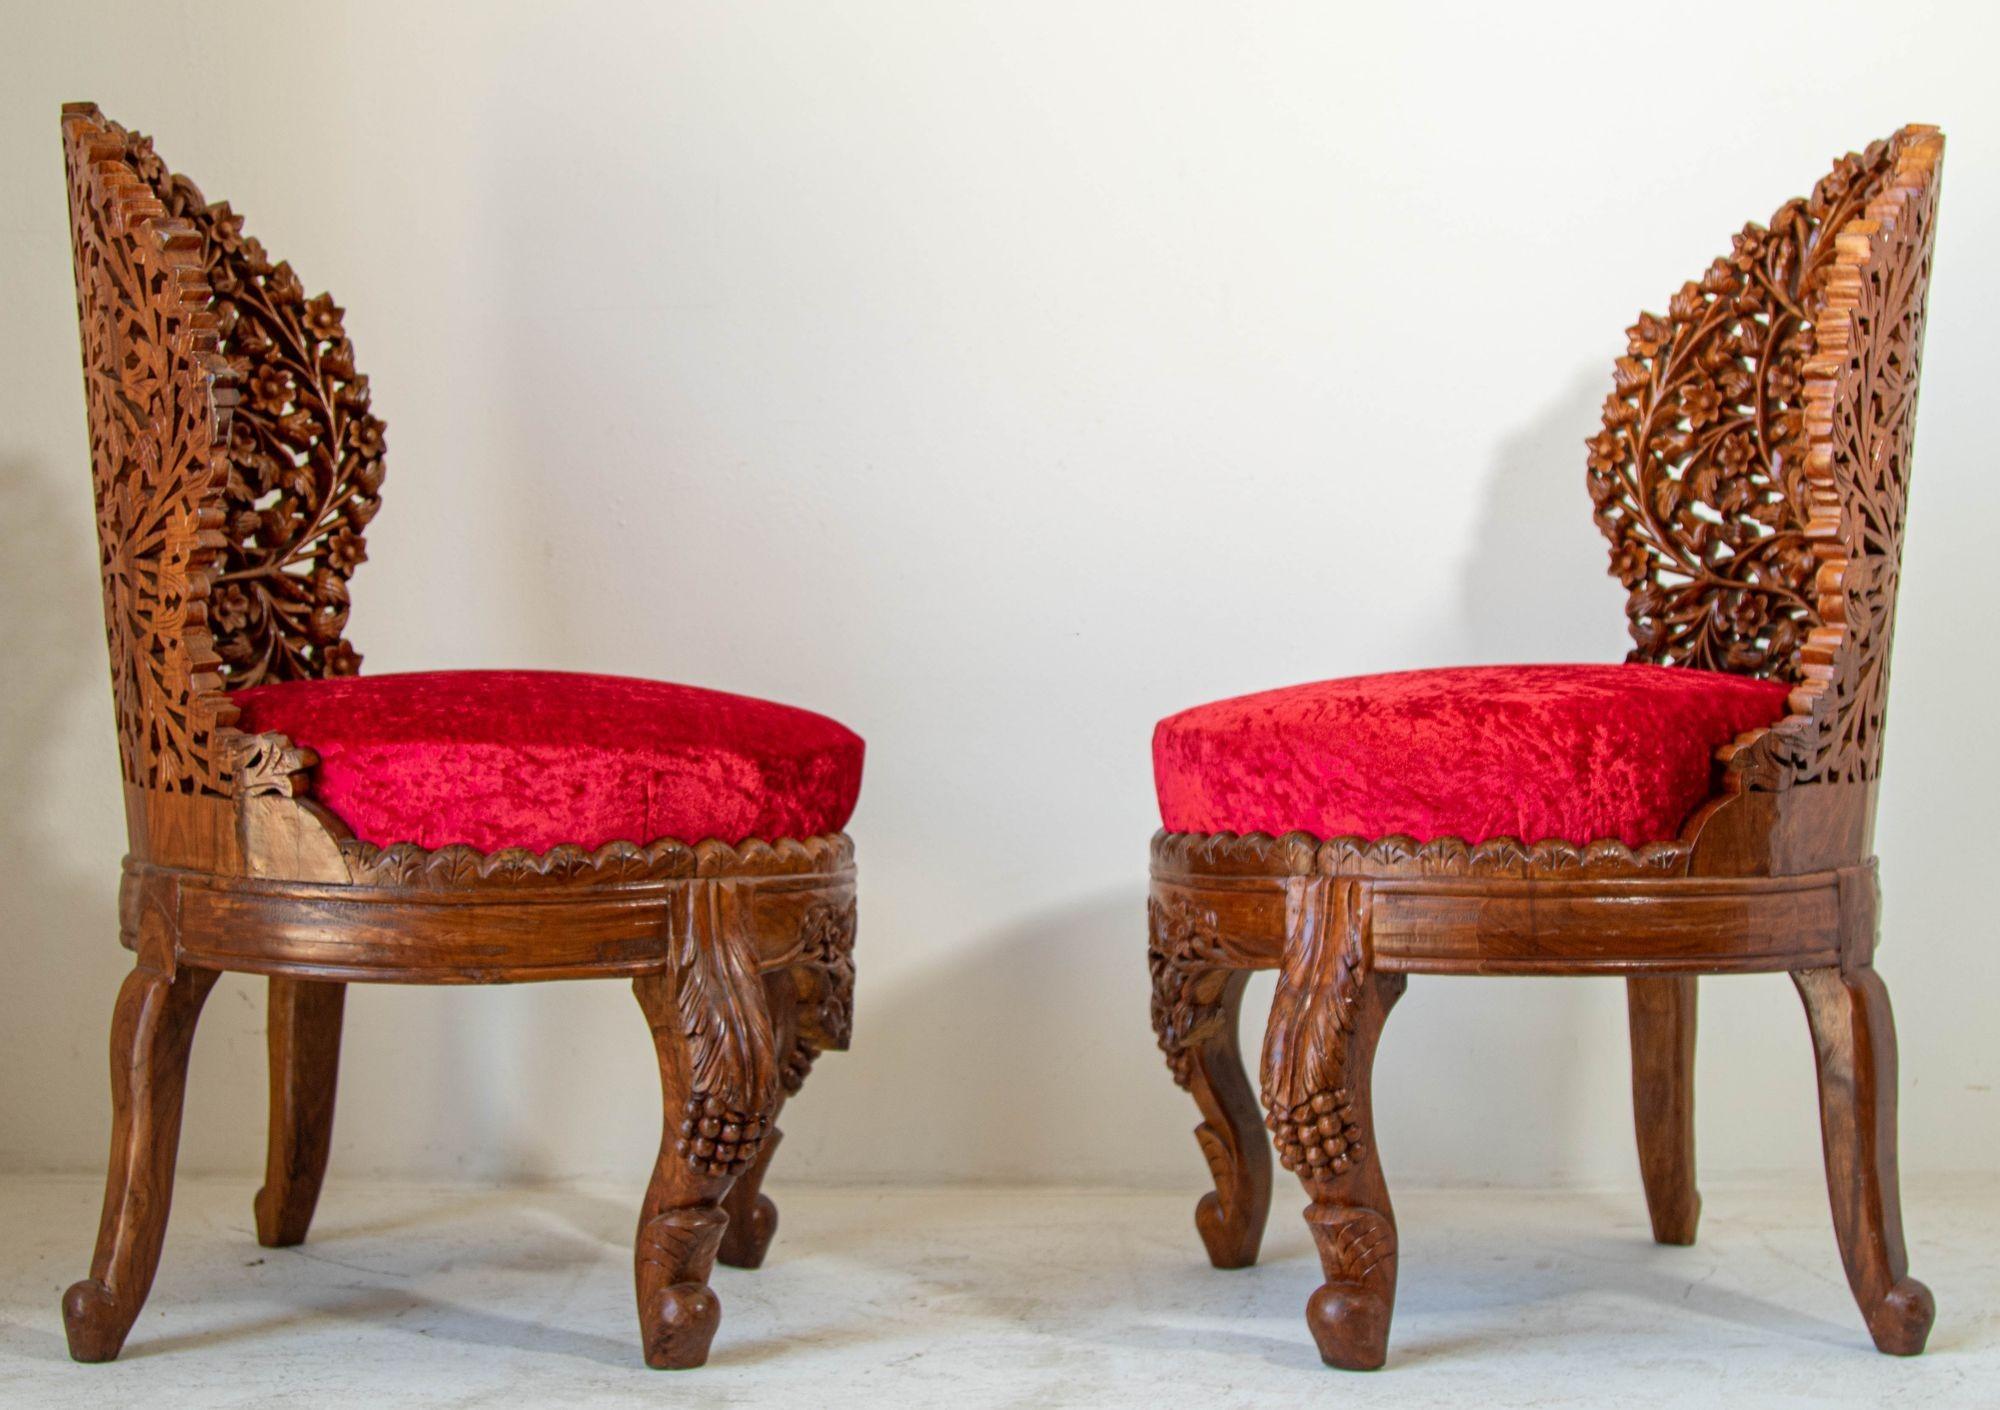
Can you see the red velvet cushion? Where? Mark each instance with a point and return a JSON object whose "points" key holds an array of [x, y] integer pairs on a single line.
{"points": [[534, 758], [1578, 753]]}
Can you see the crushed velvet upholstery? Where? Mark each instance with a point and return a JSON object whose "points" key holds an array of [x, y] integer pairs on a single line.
{"points": [[1578, 753], [535, 758]]}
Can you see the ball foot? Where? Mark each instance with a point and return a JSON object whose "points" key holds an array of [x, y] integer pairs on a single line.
{"points": [[93, 1323], [1901, 1322], [1351, 1326], [681, 1327], [748, 1238]]}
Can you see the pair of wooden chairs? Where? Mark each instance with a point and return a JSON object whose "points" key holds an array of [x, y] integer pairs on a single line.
{"points": [[290, 818]]}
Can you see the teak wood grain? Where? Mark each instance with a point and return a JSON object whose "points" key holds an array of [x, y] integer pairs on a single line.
{"points": [[1751, 477], [237, 465]]}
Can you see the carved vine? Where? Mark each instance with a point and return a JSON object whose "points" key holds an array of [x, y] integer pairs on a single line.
{"points": [[304, 453], [1311, 1108], [824, 972], [1190, 967], [1724, 500]]}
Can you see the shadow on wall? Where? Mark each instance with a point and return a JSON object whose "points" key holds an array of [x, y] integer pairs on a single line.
{"points": [[1535, 587], [60, 898]]}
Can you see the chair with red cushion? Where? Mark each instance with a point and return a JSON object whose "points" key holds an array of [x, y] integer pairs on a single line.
{"points": [[1705, 808], [289, 818]]}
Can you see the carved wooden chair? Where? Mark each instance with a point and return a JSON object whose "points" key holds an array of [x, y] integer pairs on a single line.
{"points": [[292, 819], [1706, 808]]}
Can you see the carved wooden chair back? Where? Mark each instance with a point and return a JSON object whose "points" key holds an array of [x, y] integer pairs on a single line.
{"points": [[235, 461], [1752, 470]]}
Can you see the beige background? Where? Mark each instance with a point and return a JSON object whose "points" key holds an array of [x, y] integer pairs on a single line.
{"points": [[996, 378]]}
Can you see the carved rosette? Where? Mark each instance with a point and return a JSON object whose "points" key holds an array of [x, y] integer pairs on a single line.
{"points": [[303, 454], [1311, 1110], [824, 972], [1190, 968]]}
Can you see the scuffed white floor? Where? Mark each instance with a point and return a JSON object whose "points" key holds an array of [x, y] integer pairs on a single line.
{"points": [[454, 1296]]}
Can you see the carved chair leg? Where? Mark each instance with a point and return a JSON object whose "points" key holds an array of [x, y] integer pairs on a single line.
{"points": [[303, 1035], [1209, 1066], [152, 1030], [1662, 1013], [811, 1004], [1319, 1054], [1854, 1039], [718, 1084], [1197, 1000], [753, 1216]]}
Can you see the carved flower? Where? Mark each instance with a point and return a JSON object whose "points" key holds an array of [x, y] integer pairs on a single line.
{"points": [[1646, 337], [1735, 451], [1747, 247], [270, 388], [346, 551], [225, 227], [1630, 563], [364, 433], [1700, 403], [229, 608], [341, 659], [1607, 452], [1741, 614], [282, 285], [323, 318]]}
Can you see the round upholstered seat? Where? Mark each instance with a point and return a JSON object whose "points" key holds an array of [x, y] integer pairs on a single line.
{"points": [[532, 759], [1579, 753]]}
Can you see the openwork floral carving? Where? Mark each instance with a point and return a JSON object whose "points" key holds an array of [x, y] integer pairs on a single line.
{"points": [[1751, 470], [304, 455], [158, 395], [1698, 476]]}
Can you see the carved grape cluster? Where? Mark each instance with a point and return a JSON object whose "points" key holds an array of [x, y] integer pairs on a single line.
{"points": [[1189, 969], [304, 454], [1699, 476], [718, 1139], [1319, 1137]]}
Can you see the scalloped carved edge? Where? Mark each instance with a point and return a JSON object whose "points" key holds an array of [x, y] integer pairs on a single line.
{"points": [[1796, 747], [183, 741], [458, 867], [1302, 854]]}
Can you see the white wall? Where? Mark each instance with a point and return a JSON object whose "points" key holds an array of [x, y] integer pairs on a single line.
{"points": [[997, 378]]}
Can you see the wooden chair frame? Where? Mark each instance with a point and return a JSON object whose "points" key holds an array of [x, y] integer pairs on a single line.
{"points": [[236, 467], [1751, 478]]}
